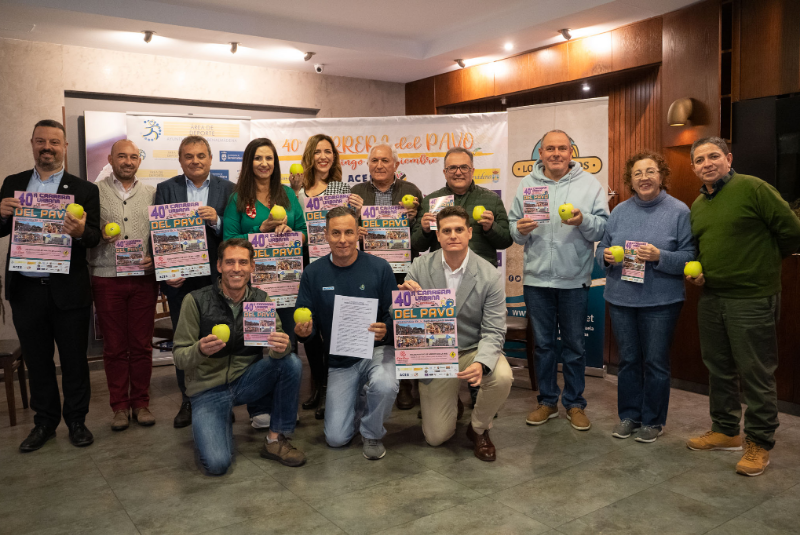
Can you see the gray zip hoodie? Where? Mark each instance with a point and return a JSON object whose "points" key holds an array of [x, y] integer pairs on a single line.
{"points": [[559, 255]]}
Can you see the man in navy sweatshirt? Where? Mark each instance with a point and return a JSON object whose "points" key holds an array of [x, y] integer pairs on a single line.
{"points": [[352, 273]]}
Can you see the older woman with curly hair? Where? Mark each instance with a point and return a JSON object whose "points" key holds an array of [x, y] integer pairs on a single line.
{"points": [[644, 313]]}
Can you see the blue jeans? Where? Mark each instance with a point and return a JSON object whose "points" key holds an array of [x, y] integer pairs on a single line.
{"points": [[644, 336], [211, 409], [345, 386], [264, 406], [553, 311]]}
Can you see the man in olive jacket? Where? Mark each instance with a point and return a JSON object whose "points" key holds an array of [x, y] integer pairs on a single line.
{"points": [[222, 374], [490, 231]]}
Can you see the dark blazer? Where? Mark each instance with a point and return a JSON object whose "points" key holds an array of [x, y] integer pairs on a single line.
{"points": [[72, 290], [219, 191]]}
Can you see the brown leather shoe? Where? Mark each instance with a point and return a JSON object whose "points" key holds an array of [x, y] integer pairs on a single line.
{"points": [[405, 399], [121, 420], [484, 449], [144, 417]]}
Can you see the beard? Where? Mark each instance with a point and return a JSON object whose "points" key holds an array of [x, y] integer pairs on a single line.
{"points": [[48, 165]]}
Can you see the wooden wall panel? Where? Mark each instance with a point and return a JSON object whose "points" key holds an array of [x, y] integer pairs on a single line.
{"points": [[420, 99], [589, 56], [477, 82], [690, 68], [449, 88], [770, 48], [513, 74], [636, 45], [549, 66]]}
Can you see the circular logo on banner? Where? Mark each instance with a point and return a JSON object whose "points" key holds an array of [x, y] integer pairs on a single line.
{"points": [[223, 156], [152, 130], [142, 155]]}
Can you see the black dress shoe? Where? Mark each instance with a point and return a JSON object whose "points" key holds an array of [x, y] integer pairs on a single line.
{"points": [[313, 401], [79, 435], [37, 438], [184, 416], [319, 414], [405, 398]]}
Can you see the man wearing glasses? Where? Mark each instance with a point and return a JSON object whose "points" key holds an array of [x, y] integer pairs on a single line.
{"points": [[558, 273], [489, 233]]}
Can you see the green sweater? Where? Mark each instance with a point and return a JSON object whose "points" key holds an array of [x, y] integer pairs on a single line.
{"points": [[236, 224], [484, 243], [742, 235]]}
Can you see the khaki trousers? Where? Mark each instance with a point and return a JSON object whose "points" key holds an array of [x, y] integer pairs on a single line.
{"points": [[438, 400]]}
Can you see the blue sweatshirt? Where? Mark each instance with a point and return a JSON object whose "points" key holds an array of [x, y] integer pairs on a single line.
{"points": [[558, 255], [663, 222], [368, 277]]}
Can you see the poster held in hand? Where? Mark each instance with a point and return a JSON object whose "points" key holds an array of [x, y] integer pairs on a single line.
{"points": [[537, 204], [633, 268], [315, 210], [279, 265], [437, 204], [129, 255], [388, 235], [425, 334], [39, 242], [259, 323], [180, 245]]}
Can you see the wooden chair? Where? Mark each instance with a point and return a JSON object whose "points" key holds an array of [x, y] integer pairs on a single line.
{"points": [[11, 359], [163, 326], [520, 330]]}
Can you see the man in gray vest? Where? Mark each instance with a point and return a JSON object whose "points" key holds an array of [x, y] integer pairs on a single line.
{"points": [[222, 374]]}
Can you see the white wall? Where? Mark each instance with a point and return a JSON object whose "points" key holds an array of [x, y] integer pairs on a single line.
{"points": [[34, 76]]}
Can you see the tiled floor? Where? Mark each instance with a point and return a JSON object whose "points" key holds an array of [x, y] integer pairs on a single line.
{"points": [[549, 479]]}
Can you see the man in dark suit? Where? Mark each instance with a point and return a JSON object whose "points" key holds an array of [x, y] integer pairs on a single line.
{"points": [[54, 308], [196, 184]]}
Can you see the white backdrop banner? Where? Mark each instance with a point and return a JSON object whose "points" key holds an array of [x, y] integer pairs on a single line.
{"points": [[158, 138], [421, 142]]}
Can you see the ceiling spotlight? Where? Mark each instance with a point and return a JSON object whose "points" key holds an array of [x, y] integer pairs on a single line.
{"points": [[308, 56], [460, 63], [565, 33], [508, 46], [586, 86], [234, 47], [148, 35]]}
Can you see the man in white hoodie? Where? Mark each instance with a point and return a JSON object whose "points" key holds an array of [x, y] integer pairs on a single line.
{"points": [[557, 272]]}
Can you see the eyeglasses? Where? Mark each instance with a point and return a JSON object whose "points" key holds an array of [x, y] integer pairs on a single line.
{"points": [[453, 168], [649, 173]]}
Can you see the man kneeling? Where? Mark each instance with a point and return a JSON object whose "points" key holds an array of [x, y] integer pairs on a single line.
{"points": [[221, 375], [481, 306]]}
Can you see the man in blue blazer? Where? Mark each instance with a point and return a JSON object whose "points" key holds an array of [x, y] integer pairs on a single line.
{"points": [[196, 184], [481, 315], [54, 309]]}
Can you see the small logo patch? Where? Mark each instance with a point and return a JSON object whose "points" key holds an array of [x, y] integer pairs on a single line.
{"points": [[362, 286], [324, 288]]}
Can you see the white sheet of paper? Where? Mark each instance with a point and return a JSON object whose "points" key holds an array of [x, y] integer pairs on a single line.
{"points": [[352, 316]]}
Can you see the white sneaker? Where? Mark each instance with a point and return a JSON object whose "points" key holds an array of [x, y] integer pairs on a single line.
{"points": [[261, 421]]}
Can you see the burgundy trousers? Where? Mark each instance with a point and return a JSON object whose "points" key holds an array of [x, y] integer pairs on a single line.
{"points": [[126, 308]]}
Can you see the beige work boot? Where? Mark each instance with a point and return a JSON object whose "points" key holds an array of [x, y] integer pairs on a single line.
{"points": [[541, 414], [121, 420], [144, 417], [282, 451], [754, 461], [715, 441], [577, 417]]}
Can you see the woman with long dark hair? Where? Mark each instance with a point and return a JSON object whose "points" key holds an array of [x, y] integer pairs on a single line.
{"points": [[258, 190]]}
